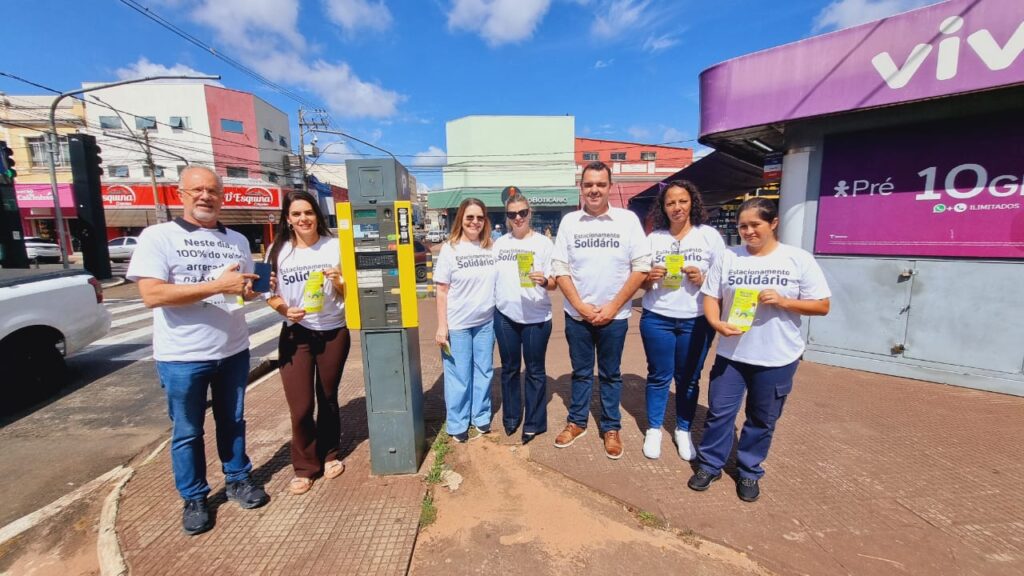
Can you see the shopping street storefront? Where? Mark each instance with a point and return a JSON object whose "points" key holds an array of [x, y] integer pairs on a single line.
{"points": [[549, 204], [903, 172]]}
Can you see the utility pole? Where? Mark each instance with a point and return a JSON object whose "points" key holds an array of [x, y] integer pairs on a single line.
{"points": [[162, 213], [313, 126]]}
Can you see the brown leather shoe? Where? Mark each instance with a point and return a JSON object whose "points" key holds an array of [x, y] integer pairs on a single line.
{"points": [[613, 444], [569, 435]]}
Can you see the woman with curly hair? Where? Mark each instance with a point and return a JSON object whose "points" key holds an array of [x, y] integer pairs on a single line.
{"points": [[675, 334]]}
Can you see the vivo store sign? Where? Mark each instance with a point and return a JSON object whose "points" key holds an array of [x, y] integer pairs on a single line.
{"points": [[948, 188], [949, 48]]}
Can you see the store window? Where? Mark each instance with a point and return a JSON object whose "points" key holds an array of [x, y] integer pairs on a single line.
{"points": [[158, 169], [234, 126], [145, 122], [117, 171], [648, 156], [620, 156], [237, 172], [590, 156], [39, 150], [111, 123]]}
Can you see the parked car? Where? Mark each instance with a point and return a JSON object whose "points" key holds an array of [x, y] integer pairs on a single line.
{"points": [[435, 236], [45, 316], [122, 248], [41, 250], [421, 261]]}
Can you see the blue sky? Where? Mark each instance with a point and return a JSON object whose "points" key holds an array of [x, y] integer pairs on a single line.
{"points": [[393, 72]]}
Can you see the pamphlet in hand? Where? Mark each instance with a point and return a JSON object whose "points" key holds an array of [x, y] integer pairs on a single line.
{"points": [[313, 296], [525, 261], [744, 307], [225, 302], [674, 264]]}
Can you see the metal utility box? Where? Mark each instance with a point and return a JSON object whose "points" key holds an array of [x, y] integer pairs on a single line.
{"points": [[378, 262]]}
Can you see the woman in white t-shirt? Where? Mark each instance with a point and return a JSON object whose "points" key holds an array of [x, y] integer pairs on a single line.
{"points": [[314, 341], [522, 319], [675, 334], [464, 275], [767, 286]]}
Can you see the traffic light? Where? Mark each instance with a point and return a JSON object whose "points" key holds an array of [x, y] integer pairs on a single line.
{"points": [[7, 171], [85, 183]]}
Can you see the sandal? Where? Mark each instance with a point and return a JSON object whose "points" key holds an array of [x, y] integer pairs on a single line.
{"points": [[300, 485], [333, 469]]}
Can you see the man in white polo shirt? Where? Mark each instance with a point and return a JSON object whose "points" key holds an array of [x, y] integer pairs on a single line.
{"points": [[601, 258], [192, 272]]}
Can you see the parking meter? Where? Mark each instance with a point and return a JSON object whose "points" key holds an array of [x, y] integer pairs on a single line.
{"points": [[375, 233]]}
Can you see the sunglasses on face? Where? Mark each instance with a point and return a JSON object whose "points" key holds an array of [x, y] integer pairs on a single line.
{"points": [[520, 214], [471, 218]]}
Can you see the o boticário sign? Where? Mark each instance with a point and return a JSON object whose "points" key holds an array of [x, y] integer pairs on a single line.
{"points": [[947, 188], [944, 49]]}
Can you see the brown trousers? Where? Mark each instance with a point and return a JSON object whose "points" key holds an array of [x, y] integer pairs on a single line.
{"points": [[311, 365]]}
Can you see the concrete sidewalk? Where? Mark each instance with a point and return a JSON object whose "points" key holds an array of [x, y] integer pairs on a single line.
{"points": [[868, 474]]}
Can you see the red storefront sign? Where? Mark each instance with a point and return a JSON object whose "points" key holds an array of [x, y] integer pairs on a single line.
{"points": [[141, 196]]}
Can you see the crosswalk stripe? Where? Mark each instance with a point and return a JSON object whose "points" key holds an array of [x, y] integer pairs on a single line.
{"points": [[127, 308], [265, 335], [131, 319]]}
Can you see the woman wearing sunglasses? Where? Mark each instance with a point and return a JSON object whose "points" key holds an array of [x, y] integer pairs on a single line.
{"points": [[675, 334], [464, 275], [522, 321]]}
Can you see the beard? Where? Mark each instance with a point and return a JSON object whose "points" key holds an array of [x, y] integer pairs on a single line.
{"points": [[204, 214]]}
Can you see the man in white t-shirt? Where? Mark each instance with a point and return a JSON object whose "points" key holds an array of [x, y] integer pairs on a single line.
{"points": [[193, 272], [601, 258]]}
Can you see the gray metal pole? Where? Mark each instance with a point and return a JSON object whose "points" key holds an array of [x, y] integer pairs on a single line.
{"points": [[55, 141], [302, 150]]}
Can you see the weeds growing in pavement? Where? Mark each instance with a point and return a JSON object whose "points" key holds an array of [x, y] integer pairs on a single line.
{"points": [[650, 519], [441, 447], [428, 512]]}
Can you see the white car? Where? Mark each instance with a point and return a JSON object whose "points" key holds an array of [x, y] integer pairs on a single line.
{"points": [[41, 250], [435, 236], [122, 248]]}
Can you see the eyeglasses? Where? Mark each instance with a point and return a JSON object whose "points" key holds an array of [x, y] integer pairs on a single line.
{"points": [[472, 217], [519, 213], [196, 192]]}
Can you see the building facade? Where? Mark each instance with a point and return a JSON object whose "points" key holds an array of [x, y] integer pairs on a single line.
{"points": [[634, 166]]}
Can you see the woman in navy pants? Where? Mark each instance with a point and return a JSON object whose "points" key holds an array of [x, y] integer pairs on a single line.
{"points": [[755, 297]]}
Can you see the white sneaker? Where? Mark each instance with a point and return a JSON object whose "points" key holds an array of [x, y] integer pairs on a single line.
{"points": [[684, 444], [652, 443]]}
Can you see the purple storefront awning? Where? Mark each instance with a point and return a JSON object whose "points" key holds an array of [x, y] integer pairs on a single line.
{"points": [[948, 48]]}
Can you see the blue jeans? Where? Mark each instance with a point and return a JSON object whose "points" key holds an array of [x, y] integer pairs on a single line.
{"points": [[467, 377], [186, 384], [675, 347], [518, 343], [584, 339], [766, 388]]}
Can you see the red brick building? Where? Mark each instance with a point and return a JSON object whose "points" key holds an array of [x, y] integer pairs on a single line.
{"points": [[634, 166]]}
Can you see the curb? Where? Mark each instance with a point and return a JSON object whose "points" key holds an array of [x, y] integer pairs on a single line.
{"points": [[112, 282]]}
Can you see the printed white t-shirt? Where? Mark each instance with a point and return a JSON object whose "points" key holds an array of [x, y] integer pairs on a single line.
{"points": [[599, 251], [469, 272], [179, 252], [293, 268], [700, 247], [774, 339], [522, 305]]}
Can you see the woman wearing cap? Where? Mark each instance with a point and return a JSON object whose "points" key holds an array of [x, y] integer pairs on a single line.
{"points": [[314, 345], [777, 284], [464, 275], [522, 321], [675, 334]]}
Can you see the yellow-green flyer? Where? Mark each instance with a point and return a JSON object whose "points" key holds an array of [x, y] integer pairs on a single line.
{"points": [[525, 261], [674, 264], [313, 296], [744, 307]]}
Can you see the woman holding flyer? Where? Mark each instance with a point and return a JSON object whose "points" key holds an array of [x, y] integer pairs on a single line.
{"points": [[308, 291], [464, 275], [755, 297], [675, 334], [522, 321]]}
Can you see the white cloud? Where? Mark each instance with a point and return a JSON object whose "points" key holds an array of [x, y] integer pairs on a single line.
{"points": [[433, 157], [638, 133], [358, 15], [264, 35], [673, 136], [846, 13], [659, 43], [498, 21], [603, 63], [422, 188], [615, 17], [143, 67], [700, 151]]}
